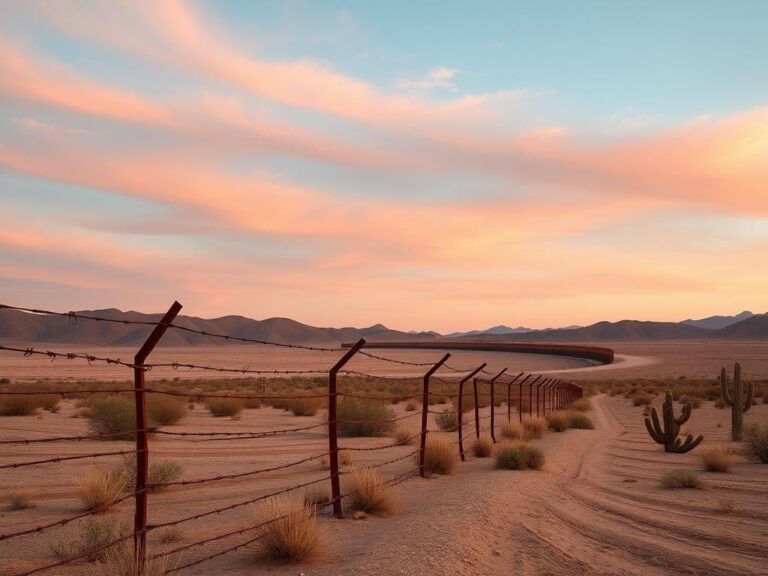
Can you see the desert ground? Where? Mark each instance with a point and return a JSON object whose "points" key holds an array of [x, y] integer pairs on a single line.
{"points": [[596, 507]]}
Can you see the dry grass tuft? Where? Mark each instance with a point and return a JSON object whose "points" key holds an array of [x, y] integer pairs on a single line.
{"points": [[368, 493], [641, 399], [221, 407], [101, 488], [558, 421], [756, 442], [716, 458], [512, 431], [447, 420], [579, 421], [345, 459], [95, 533], [293, 535], [410, 407], [119, 560], [27, 405], [404, 437], [440, 456], [580, 405], [165, 410], [170, 535], [20, 501], [316, 496], [518, 455], [482, 447], [680, 479], [534, 427], [302, 406]]}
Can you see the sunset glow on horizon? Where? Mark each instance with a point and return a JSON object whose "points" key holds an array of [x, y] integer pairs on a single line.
{"points": [[429, 167]]}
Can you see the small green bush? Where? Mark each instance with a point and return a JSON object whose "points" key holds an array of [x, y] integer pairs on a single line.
{"points": [[94, 534], [579, 420], [482, 447], [221, 407], [113, 416], [160, 472], [361, 417], [164, 410], [447, 420]]}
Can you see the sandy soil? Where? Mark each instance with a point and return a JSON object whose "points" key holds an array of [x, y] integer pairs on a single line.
{"points": [[596, 509]]}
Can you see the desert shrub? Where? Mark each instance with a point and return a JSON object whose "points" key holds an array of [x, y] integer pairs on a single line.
{"points": [[345, 459], [20, 501], [756, 442], [293, 535], [580, 405], [440, 456], [18, 405], [482, 447], [364, 417], [512, 431], [164, 410], [170, 534], [95, 533], [447, 420], [221, 407], [368, 493], [579, 420], [101, 488], [404, 437], [641, 399], [252, 403], [119, 560], [316, 496], [720, 404], [303, 406], [558, 421], [518, 455], [410, 407], [49, 402], [159, 472], [715, 458], [5, 380], [534, 427], [112, 416], [680, 479]]}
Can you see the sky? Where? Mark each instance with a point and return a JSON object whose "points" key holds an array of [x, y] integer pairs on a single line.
{"points": [[427, 165]]}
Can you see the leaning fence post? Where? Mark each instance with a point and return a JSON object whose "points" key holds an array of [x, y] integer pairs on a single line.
{"points": [[142, 435], [477, 408], [460, 415], [425, 412], [509, 396], [530, 395], [493, 404], [520, 402], [333, 442]]}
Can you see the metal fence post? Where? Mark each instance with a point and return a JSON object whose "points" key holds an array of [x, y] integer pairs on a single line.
{"points": [[477, 408], [333, 443], [460, 415], [493, 404], [425, 411], [530, 395], [509, 396], [520, 402], [142, 435]]}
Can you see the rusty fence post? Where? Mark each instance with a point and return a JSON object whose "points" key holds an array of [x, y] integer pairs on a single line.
{"points": [[530, 395], [477, 408], [493, 404], [425, 411], [509, 396], [333, 426], [520, 401], [460, 414], [142, 435]]}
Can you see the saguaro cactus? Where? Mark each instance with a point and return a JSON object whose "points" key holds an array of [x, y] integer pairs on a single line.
{"points": [[668, 435], [737, 398]]}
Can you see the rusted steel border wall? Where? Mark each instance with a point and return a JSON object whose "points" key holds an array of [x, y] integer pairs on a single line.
{"points": [[602, 355]]}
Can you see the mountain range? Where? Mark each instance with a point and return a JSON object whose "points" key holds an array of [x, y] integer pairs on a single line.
{"points": [[24, 327]]}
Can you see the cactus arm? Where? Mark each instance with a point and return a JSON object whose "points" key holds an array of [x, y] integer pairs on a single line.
{"points": [[724, 389], [662, 437], [688, 445], [685, 415], [750, 397], [653, 432]]}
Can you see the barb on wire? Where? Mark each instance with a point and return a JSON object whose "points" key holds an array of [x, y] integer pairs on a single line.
{"points": [[71, 356], [393, 360], [399, 398], [65, 521], [74, 438], [57, 459], [264, 397], [236, 505], [238, 475], [373, 448], [205, 368], [241, 435]]}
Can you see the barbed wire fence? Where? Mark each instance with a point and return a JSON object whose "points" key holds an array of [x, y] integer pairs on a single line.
{"points": [[550, 394]]}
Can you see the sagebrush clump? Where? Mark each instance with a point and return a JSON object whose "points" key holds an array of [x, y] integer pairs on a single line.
{"points": [[361, 417], [482, 447], [113, 417], [367, 492], [292, 533], [440, 456], [447, 420], [680, 479], [222, 407], [756, 442], [518, 455]]}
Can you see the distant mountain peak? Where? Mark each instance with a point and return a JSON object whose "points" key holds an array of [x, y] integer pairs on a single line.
{"points": [[718, 322]]}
